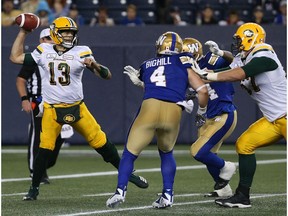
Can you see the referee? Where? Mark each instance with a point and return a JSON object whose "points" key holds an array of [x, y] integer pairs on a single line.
{"points": [[29, 87]]}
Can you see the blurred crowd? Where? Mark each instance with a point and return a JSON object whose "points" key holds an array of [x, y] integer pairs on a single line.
{"points": [[147, 12]]}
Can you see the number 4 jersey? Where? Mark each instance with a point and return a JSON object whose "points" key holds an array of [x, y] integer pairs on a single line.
{"points": [[61, 72], [166, 77]]}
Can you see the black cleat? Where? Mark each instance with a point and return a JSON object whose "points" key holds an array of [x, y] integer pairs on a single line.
{"points": [[139, 181], [238, 200], [45, 180], [32, 194]]}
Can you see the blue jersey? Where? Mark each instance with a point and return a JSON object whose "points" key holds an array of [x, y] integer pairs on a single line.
{"points": [[166, 77], [220, 93]]}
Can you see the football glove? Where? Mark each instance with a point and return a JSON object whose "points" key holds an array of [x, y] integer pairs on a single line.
{"points": [[214, 48], [133, 75], [188, 105], [202, 73], [200, 118]]}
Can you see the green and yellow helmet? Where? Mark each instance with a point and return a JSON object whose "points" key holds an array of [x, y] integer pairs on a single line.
{"points": [[63, 24], [247, 36]]}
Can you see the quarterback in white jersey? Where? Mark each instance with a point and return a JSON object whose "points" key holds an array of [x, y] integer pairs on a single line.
{"points": [[63, 83], [63, 65], [264, 78]]}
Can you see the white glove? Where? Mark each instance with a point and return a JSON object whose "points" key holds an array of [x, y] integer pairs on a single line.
{"points": [[188, 105], [133, 75], [214, 48], [40, 106], [66, 131], [202, 73]]}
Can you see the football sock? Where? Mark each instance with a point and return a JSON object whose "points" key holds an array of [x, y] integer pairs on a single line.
{"points": [[40, 164], [168, 169], [243, 189], [54, 155], [247, 168], [125, 168], [109, 154]]}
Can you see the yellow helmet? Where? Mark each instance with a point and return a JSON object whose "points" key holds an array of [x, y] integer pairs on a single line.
{"points": [[247, 36], [169, 43], [63, 24], [194, 47]]}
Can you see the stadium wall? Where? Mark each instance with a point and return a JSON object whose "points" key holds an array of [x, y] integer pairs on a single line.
{"points": [[114, 103]]}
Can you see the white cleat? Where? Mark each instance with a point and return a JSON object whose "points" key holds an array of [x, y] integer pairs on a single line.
{"points": [[165, 200], [116, 199], [228, 170], [224, 192]]}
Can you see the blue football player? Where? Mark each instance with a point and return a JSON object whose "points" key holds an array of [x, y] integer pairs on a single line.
{"points": [[221, 117], [165, 79]]}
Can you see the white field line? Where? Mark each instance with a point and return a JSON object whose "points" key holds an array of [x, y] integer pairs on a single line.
{"points": [[149, 207], [107, 173], [145, 152]]}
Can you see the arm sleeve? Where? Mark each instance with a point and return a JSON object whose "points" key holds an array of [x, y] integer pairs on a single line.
{"points": [[222, 69], [26, 71], [259, 65], [28, 60]]}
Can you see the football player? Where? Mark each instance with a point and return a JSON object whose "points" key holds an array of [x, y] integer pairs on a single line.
{"points": [[64, 64], [29, 87], [263, 77], [165, 79], [221, 118]]}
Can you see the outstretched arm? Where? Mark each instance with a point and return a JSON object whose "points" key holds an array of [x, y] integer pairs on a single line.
{"points": [[97, 68], [214, 48], [17, 54]]}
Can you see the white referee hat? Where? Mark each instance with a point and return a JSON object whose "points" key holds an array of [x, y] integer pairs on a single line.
{"points": [[45, 33]]}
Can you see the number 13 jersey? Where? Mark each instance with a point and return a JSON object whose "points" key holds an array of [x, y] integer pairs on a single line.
{"points": [[61, 72]]}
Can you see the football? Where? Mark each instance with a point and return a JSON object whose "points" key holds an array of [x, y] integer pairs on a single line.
{"points": [[28, 21]]}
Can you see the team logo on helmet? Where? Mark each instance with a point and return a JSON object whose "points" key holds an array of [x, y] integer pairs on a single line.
{"points": [[248, 33]]}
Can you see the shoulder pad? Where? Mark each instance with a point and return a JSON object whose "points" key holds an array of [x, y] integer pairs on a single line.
{"points": [[40, 49], [262, 47], [84, 52], [185, 59]]}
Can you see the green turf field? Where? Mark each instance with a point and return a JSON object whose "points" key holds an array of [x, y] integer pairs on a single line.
{"points": [[81, 182]]}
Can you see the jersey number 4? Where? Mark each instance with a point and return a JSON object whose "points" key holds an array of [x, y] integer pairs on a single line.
{"points": [[65, 68], [158, 77]]}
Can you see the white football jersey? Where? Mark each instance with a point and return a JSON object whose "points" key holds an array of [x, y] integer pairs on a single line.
{"points": [[268, 89], [62, 76]]}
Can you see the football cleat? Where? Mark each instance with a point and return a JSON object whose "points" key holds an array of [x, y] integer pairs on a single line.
{"points": [[116, 199], [32, 194], [238, 200], [223, 192], [228, 170], [139, 181], [165, 200]]}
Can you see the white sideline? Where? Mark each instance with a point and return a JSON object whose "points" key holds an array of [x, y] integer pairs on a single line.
{"points": [[144, 152], [148, 207], [81, 175]]}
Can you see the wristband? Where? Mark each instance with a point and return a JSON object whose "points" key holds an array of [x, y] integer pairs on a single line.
{"points": [[212, 76], [104, 71], [201, 110], [24, 98]]}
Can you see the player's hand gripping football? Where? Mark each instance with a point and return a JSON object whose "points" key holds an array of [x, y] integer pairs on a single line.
{"points": [[133, 75], [214, 48]]}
